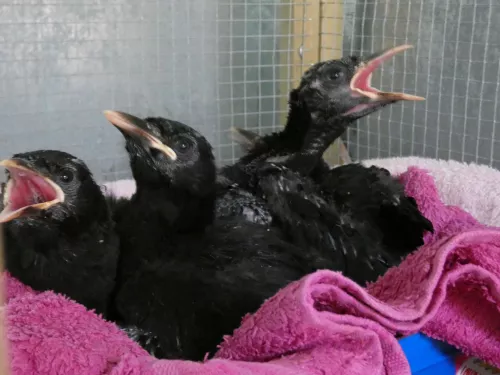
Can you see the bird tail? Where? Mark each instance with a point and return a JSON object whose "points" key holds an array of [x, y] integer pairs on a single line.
{"points": [[404, 225]]}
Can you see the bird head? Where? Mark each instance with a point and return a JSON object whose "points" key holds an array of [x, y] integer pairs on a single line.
{"points": [[166, 153], [343, 86], [48, 185]]}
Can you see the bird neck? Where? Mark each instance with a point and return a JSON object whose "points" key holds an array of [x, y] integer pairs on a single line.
{"points": [[297, 125], [179, 209], [47, 230], [291, 138], [323, 132]]}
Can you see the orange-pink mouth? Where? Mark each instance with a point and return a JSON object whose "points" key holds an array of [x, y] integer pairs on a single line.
{"points": [[361, 81], [27, 190]]}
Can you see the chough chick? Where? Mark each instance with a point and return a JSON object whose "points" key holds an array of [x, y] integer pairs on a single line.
{"points": [[58, 230], [186, 278], [340, 91]]}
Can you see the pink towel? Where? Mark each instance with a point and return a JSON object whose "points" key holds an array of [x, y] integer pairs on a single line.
{"points": [[472, 187], [322, 324]]}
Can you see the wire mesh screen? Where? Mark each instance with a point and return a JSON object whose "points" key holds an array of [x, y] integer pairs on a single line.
{"points": [[219, 63], [455, 65], [209, 63], [256, 66]]}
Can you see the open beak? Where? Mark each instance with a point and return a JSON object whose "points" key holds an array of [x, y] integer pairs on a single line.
{"points": [[27, 191], [360, 82], [136, 126]]}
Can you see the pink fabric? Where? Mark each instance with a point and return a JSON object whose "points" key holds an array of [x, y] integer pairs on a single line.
{"points": [[322, 324], [472, 187]]}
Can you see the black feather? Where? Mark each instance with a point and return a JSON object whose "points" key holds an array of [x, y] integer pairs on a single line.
{"points": [[363, 195], [372, 195], [187, 279], [311, 222], [71, 247]]}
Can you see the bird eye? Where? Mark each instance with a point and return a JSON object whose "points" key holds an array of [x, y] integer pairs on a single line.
{"points": [[336, 75], [66, 176], [183, 145]]}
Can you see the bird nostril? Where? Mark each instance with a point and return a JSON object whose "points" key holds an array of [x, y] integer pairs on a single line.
{"points": [[155, 153]]}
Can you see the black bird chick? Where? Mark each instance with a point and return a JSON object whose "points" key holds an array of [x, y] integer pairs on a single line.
{"points": [[175, 189], [58, 231], [189, 279], [309, 220], [336, 89], [329, 98]]}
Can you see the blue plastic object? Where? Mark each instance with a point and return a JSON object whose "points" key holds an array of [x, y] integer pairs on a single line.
{"points": [[428, 356]]}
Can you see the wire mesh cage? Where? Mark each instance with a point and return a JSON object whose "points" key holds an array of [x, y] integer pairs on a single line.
{"points": [[219, 63], [454, 65], [209, 63]]}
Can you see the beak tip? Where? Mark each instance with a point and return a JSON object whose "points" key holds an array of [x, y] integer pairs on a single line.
{"points": [[171, 153], [6, 163], [415, 98], [109, 114]]}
